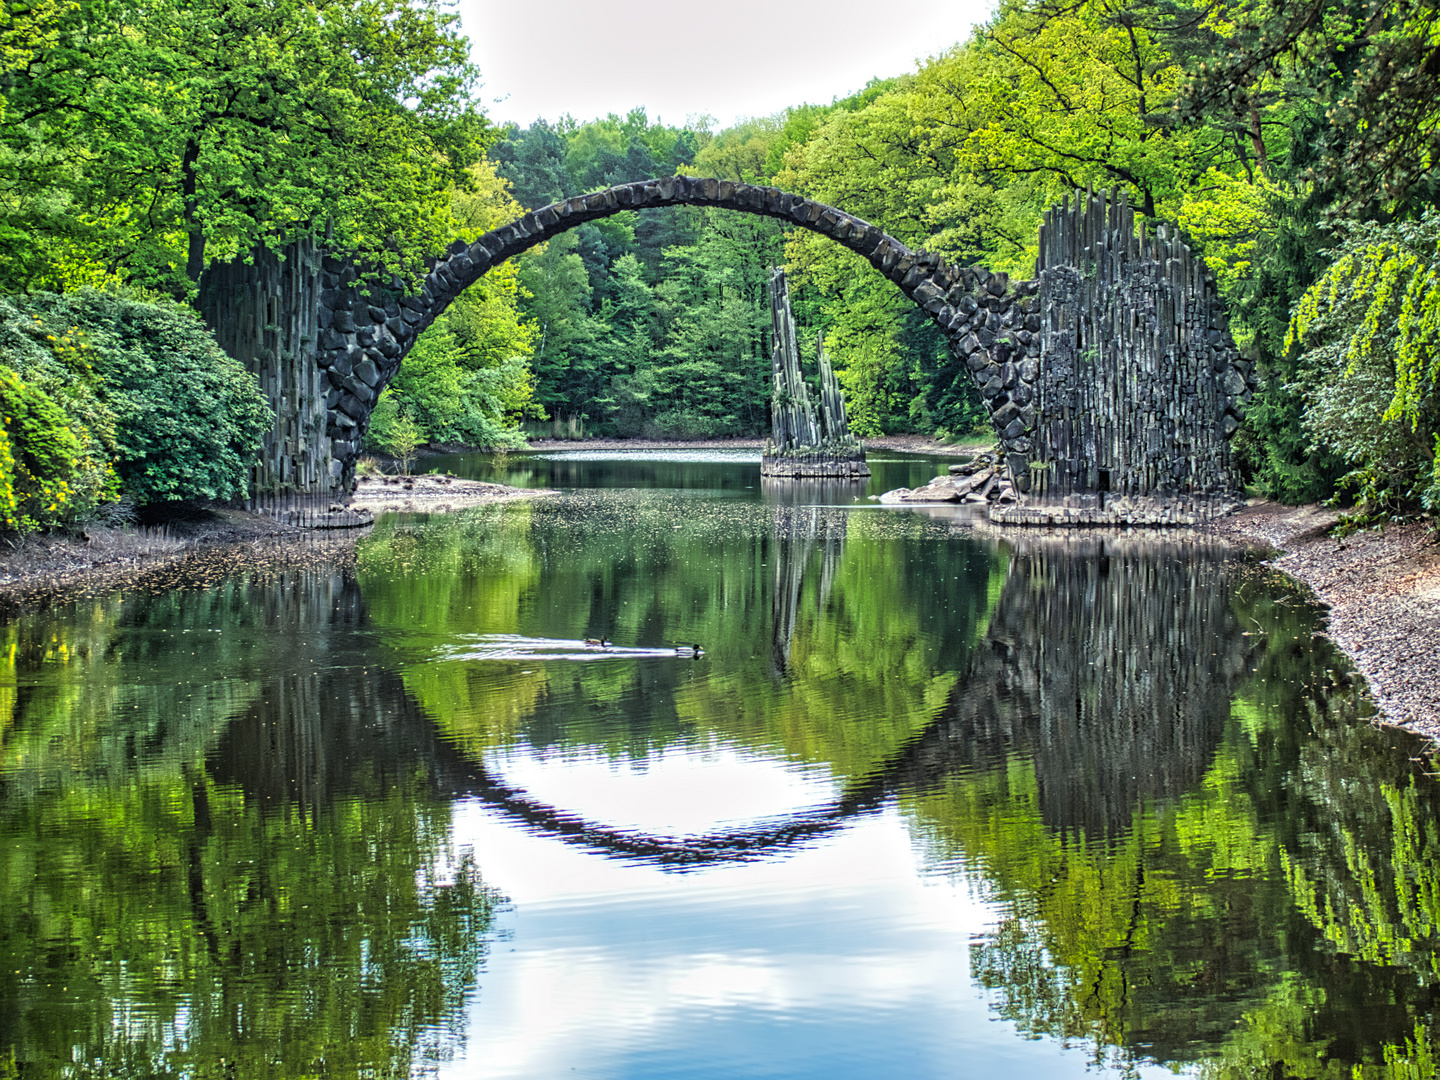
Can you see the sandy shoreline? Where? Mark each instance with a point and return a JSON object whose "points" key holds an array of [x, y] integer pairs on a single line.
{"points": [[430, 493]]}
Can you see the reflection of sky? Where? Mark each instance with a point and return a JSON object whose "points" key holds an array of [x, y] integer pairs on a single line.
{"points": [[842, 960], [682, 791]]}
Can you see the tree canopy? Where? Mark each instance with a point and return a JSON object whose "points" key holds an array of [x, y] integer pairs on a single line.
{"points": [[136, 141]]}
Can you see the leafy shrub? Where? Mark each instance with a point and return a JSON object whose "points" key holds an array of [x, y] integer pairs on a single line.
{"points": [[41, 460], [49, 386], [178, 418]]}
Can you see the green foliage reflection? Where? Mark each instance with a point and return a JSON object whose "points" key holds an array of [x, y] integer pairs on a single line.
{"points": [[1271, 914], [176, 898], [823, 641]]}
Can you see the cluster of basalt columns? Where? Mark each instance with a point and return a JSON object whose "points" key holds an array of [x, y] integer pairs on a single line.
{"points": [[335, 336], [804, 443]]}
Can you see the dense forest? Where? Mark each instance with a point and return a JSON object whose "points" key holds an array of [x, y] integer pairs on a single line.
{"points": [[1293, 145]]}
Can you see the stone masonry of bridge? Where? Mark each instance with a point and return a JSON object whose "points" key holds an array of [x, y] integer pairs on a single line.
{"points": [[1110, 378]]}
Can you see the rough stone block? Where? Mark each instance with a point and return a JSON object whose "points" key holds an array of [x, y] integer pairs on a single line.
{"points": [[927, 292], [360, 391]]}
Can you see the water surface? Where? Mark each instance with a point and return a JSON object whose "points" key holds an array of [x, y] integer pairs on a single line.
{"points": [[929, 803]]}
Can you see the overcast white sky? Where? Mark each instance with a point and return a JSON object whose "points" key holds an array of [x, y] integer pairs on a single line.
{"points": [[729, 59]]}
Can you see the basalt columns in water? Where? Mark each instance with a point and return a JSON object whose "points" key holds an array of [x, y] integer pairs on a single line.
{"points": [[800, 445]]}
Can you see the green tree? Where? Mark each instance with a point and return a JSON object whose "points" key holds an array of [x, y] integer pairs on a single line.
{"points": [[1367, 335], [467, 379], [144, 140], [1371, 72], [566, 360]]}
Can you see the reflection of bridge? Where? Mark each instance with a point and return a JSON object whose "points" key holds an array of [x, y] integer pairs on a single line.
{"points": [[1112, 370], [1109, 664]]}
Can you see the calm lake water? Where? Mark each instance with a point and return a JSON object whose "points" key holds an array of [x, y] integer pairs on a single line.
{"points": [[929, 804]]}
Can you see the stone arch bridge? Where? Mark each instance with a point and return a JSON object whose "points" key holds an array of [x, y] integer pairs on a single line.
{"points": [[1110, 377]]}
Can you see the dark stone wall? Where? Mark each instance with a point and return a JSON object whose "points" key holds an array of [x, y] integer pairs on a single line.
{"points": [[1139, 387], [266, 314]]}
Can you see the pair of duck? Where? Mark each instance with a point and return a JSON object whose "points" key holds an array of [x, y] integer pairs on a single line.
{"points": [[680, 650]]}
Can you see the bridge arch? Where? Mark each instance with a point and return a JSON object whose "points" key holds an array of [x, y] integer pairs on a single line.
{"points": [[364, 334], [1111, 379]]}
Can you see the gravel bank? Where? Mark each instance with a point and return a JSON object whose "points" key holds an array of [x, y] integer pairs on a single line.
{"points": [[1383, 591], [430, 493], [190, 548]]}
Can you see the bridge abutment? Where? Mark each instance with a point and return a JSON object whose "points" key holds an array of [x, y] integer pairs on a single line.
{"points": [[1138, 388], [266, 314]]}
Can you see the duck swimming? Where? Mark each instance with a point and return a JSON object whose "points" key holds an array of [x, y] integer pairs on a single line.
{"points": [[688, 650], [597, 641]]}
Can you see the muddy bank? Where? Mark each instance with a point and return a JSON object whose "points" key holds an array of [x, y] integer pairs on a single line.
{"points": [[1383, 591], [192, 548]]}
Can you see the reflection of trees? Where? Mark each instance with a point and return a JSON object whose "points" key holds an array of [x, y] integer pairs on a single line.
{"points": [[1108, 665], [1199, 854], [1260, 904], [868, 664], [256, 883]]}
